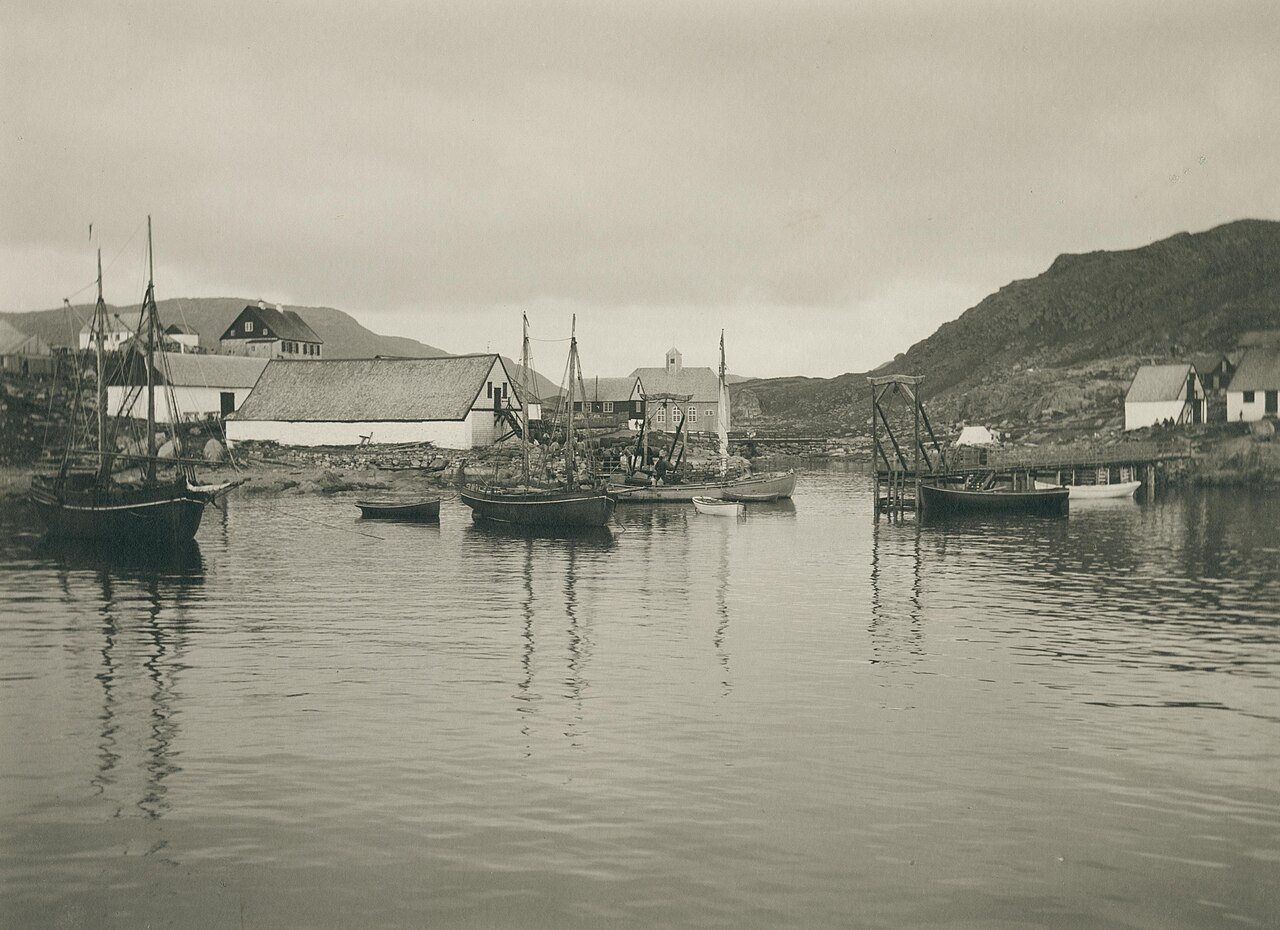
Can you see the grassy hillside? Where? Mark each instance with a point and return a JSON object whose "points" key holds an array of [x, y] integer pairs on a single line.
{"points": [[1063, 346]]}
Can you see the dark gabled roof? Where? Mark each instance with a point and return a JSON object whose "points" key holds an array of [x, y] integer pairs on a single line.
{"points": [[280, 324], [1207, 362], [1259, 370], [1159, 383], [370, 389], [177, 329]]}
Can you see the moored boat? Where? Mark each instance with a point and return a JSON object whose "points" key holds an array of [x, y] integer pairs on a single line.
{"points": [[134, 498], [718, 507], [1087, 492], [573, 504], [763, 487], [426, 510], [937, 499]]}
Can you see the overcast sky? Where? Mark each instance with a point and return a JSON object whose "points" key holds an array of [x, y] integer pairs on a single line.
{"points": [[828, 182]]}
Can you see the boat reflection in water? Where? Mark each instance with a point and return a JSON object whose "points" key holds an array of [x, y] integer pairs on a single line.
{"points": [[177, 562], [599, 537], [145, 595]]}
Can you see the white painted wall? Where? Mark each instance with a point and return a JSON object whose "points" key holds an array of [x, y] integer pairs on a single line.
{"points": [[1238, 410], [1138, 415], [447, 434], [192, 401]]}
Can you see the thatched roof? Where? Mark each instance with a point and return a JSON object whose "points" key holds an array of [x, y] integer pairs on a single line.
{"points": [[192, 370], [371, 389]]}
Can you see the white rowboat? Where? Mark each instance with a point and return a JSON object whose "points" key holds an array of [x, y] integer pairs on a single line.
{"points": [[1091, 492], [719, 508]]}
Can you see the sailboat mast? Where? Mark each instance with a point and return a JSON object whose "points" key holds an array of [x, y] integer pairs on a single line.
{"points": [[100, 324], [524, 397], [568, 438], [722, 414], [149, 313]]}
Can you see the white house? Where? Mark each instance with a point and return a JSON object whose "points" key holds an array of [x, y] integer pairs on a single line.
{"points": [[457, 402], [1164, 392], [115, 333], [1254, 391], [202, 385]]}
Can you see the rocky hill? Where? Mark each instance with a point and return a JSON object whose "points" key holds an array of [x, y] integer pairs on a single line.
{"points": [[1066, 343]]}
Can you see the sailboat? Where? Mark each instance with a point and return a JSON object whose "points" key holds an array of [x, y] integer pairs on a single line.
{"points": [[762, 487], [149, 500], [572, 505]]}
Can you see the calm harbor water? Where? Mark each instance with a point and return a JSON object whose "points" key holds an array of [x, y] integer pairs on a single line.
{"points": [[798, 719]]}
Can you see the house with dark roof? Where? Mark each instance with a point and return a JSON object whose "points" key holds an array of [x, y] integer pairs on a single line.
{"points": [[1215, 370], [613, 401], [458, 402], [674, 391], [263, 331], [1254, 391], [202, 385], [1164, 393]]}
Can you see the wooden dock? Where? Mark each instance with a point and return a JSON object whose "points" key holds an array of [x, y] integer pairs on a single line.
{"points": [[901, 462]]}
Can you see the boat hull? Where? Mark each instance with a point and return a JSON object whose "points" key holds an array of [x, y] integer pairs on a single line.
{"points": [[541, 509], [1088, 492], [163, 514], [936, 500], [718, 508], [425, 511], [756, 488]]}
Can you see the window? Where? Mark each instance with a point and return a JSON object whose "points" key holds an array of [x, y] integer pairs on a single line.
{"points": [[662, 415], [1248, 397], [693, 414], [265, 331], [709, 412], [504, 390], [248, 326], [488, 391], [608, 406]]}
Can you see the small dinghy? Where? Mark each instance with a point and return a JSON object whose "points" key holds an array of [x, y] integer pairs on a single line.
{"points": [[719, 508], [426, 510]]}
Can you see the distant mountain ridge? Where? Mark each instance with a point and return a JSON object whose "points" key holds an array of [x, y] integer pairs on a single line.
{"points": [[343, 336], [1093, 312]]}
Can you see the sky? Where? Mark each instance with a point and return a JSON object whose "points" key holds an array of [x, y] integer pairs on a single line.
{"points": [[826, 182]]}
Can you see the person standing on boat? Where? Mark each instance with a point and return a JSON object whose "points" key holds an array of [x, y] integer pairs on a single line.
{"points": [[660, 470]]}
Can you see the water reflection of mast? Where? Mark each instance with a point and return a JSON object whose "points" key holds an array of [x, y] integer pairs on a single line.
{"points": [[578, 641], [722, 608], [885, 634], [107, 755], [525, 686], [163, 727]]}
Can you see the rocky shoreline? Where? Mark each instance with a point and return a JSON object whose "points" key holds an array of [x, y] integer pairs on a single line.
{"points": [[1222, 456]]}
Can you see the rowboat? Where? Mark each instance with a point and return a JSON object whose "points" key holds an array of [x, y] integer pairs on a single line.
{"points": [[719, 508], [936, 499], [768, 487], [1095, 491], [426, 510]]}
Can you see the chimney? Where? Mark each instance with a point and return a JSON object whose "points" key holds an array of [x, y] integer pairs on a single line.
{"points": [[262, 305]]}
